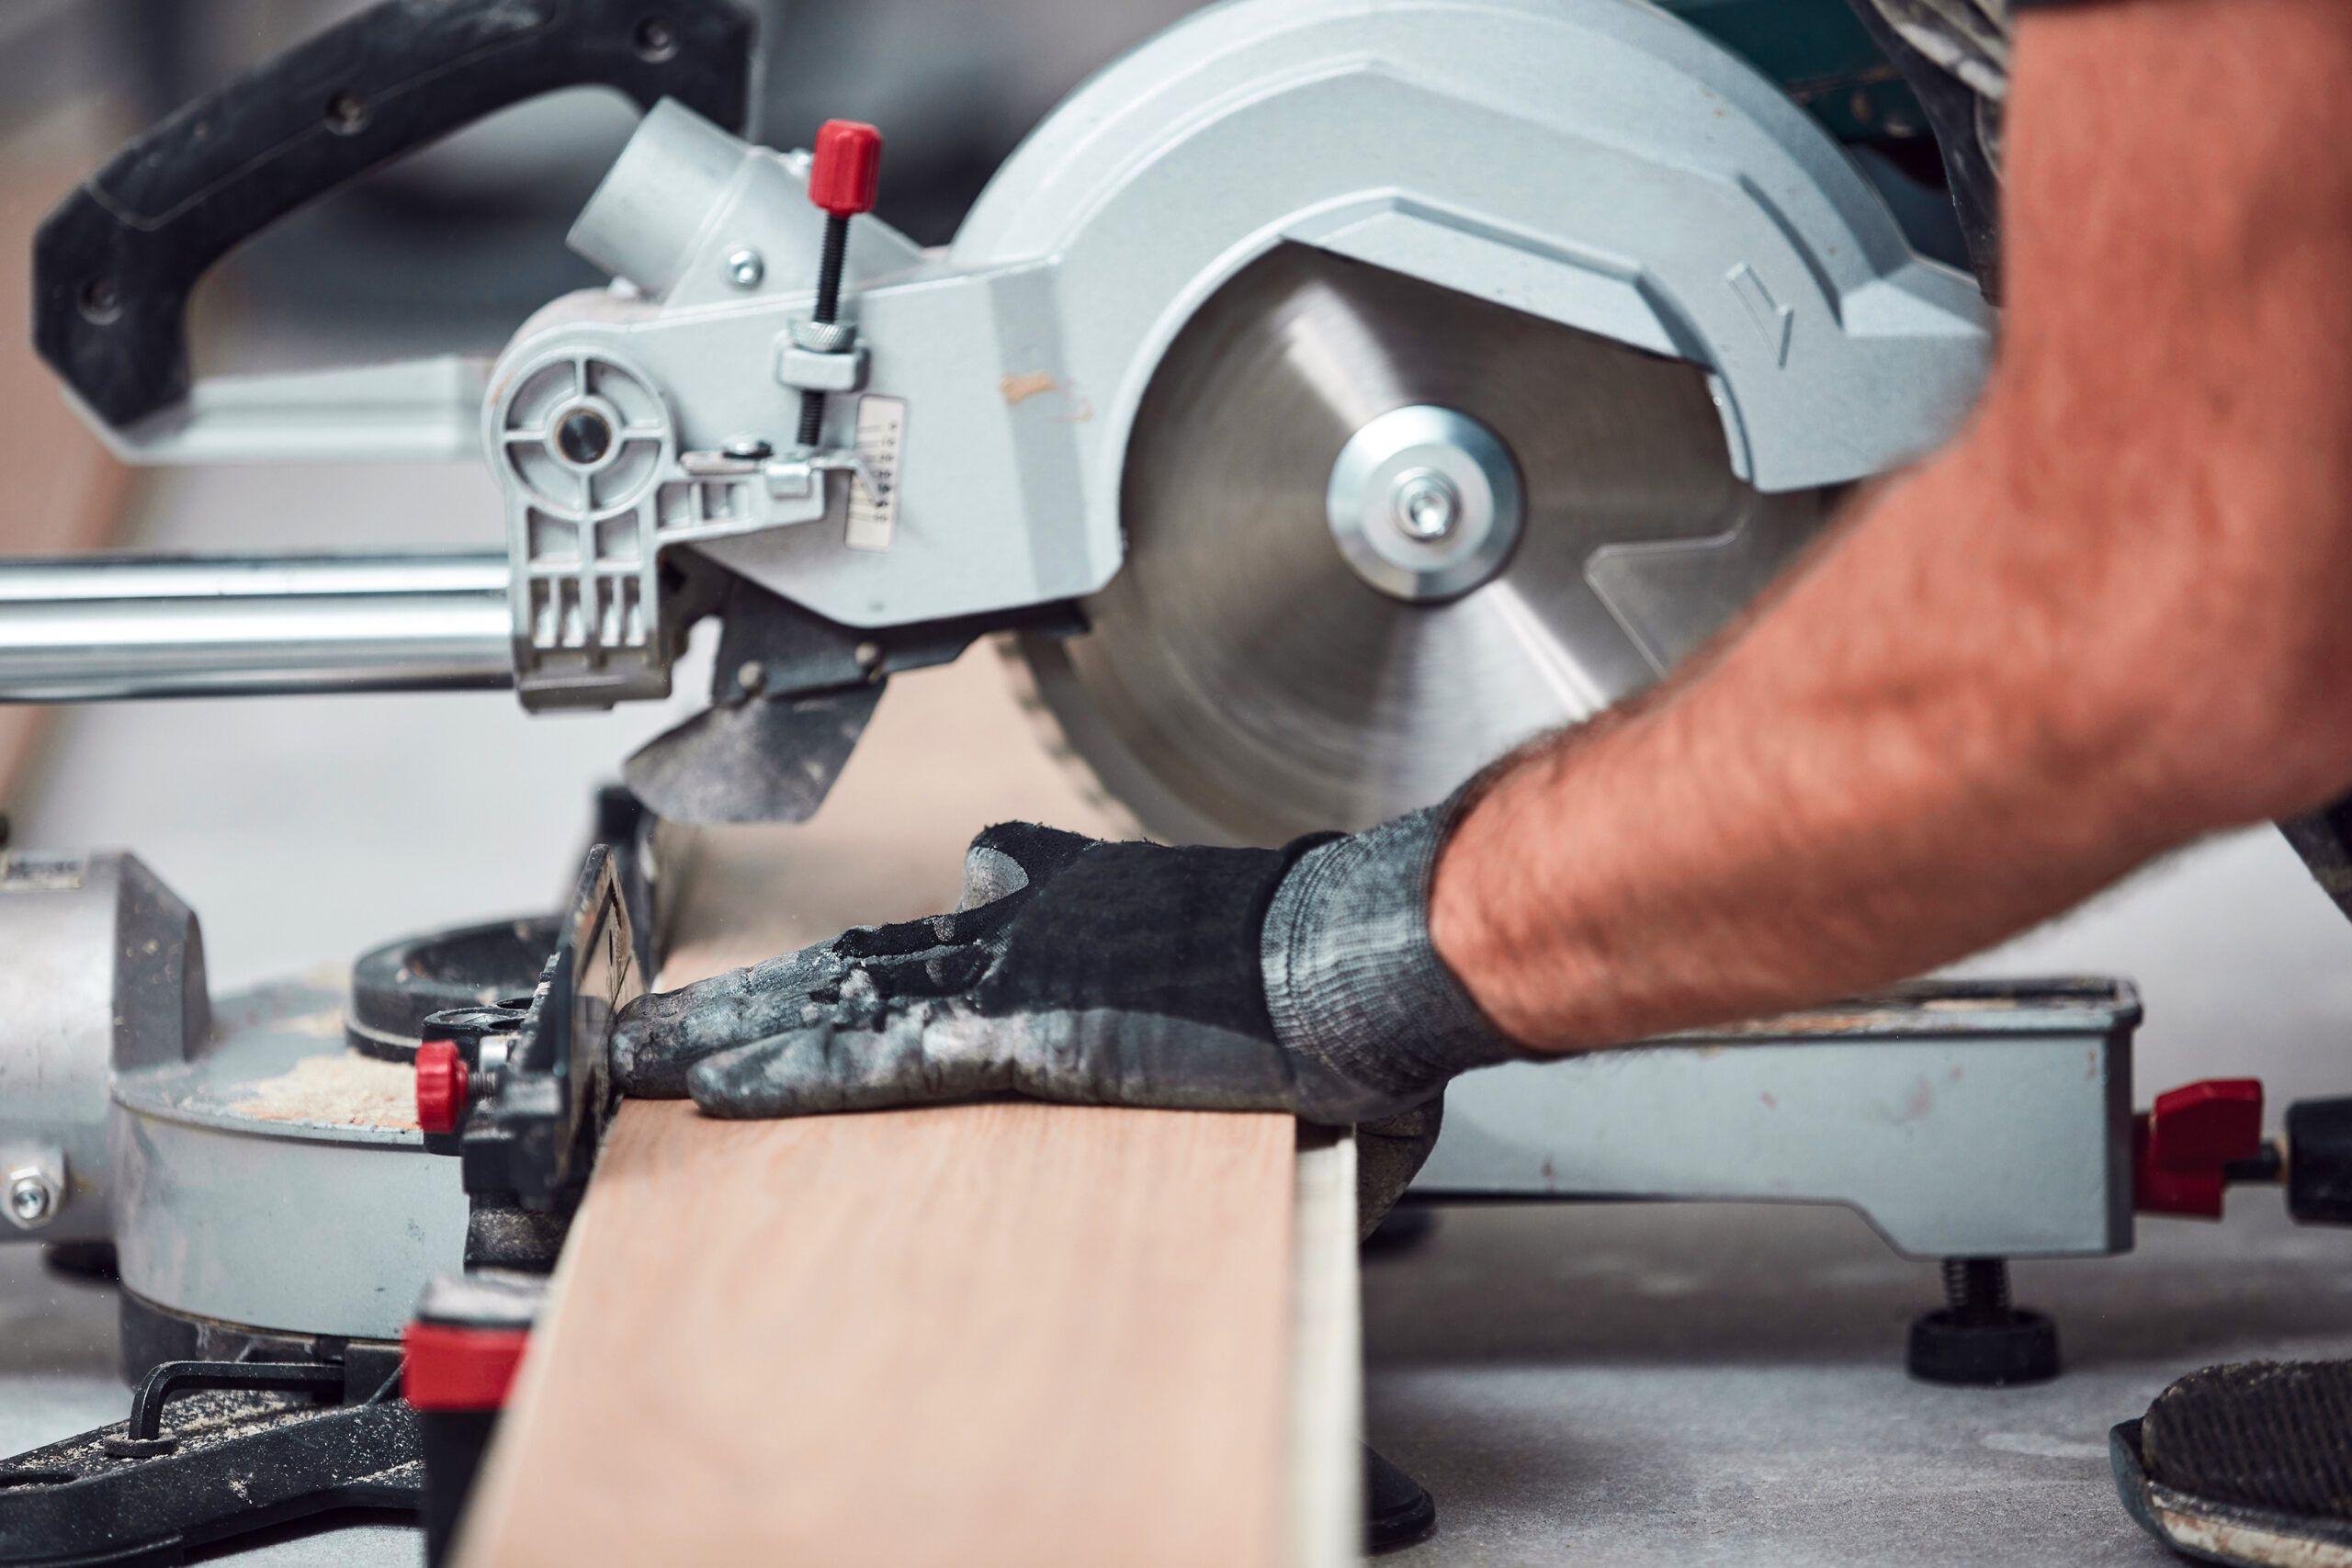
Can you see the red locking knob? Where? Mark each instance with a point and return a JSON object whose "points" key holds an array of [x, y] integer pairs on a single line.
{"points": [[2182, 1149], [847, 168], [441, 1079]]}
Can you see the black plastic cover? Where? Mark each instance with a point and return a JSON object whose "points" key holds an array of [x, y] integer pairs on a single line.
{"points": [[2318, 1161]]}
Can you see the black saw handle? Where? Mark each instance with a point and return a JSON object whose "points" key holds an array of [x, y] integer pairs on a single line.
{"points": [[114, 265]]}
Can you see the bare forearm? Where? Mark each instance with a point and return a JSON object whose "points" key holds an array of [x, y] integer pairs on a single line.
{"points": [[2085, 634], [1892, 767]]}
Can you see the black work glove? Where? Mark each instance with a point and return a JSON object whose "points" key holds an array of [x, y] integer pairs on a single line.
{"points": [[1086, 972]]}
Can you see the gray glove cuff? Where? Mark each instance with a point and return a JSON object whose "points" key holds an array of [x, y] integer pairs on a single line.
{"points": [[1352, 979]]}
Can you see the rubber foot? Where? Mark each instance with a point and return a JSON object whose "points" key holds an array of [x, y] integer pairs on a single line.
{"points": [[2020, 1347], [1397, 1510]]}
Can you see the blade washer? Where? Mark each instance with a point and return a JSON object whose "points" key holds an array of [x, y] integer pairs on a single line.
{"points": [[1425, 503]]}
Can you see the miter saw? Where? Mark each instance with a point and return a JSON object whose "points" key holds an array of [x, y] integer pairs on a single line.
{"points": [[1330, 395], [1377, 386]]}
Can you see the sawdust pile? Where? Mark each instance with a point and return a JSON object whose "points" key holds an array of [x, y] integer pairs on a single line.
{"points": [[347, 1090]]}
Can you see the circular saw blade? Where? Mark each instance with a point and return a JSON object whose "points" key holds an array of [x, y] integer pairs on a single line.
{"points": [[1243, 685]]}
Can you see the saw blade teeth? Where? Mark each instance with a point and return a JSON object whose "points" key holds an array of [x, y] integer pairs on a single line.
{"points": [[1020, 679]]}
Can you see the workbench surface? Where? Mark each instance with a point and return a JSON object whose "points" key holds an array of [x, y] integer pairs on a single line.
{"points": [[1696, 1385], [1642, 1384]]}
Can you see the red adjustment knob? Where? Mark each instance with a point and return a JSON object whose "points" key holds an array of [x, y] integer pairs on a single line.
{"points": [[847, 168], [441, 1078], [2181, 1149]]}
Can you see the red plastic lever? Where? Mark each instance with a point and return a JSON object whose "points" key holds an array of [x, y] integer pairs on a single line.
{"points": [[847, 168], [441, 1082], [449, 1368], [2180, 1149]]}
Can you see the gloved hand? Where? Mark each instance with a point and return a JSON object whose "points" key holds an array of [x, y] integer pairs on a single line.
{"points": [[1300, 980]]}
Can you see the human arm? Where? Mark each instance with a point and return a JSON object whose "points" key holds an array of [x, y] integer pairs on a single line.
{"points": [[2099, 626], [2107, 620]]}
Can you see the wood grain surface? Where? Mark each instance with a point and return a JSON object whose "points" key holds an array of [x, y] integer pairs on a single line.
{"points": [[985, 1334], [1000, 1334]]}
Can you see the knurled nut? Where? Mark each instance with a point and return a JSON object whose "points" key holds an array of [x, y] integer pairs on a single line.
{"points": [[824, 338]]}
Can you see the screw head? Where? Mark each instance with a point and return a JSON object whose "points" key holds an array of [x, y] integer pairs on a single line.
{"points": [[752, 677], [100, 301], [1428, 506], [584, 437], [656, 40], [31, 1199], [347, 114], [746, 267]]}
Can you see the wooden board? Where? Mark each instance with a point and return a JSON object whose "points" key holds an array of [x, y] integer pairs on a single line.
{"points": [[984, 1335], [998, 1334]]}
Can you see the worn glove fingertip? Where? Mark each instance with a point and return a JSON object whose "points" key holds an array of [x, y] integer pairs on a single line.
{"points": [[647, 1061], [778, 1076], [641, 1070]]}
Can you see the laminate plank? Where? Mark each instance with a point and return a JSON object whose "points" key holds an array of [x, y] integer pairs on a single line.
{"points": [[996, 1334]]}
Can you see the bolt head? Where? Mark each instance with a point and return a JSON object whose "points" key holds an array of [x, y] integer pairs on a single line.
{"points": [[656, 40], [585, 437], [745, 268], [752, 677], [1428, 506], [31, 1199], [347, 114], [101, 301]]}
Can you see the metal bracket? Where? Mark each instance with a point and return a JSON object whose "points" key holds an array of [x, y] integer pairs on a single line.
{"points": [[532, 1140], [811, 369], [1962, 1119], [799, 476]]}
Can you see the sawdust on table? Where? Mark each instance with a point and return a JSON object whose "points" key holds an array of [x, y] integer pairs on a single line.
{"points": [[325, 1024], [345, 1090]]}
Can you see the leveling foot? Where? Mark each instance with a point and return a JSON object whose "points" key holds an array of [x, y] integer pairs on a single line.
{"points": [[1398, 1509], [1977, 1339]]}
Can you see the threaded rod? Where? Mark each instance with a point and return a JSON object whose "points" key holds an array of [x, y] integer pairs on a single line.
{"points": [[1977, 1287], [827, 311]]}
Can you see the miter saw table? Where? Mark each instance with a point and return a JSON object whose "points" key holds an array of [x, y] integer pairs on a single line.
{"points": [[290, 1179], [1332, 395]]}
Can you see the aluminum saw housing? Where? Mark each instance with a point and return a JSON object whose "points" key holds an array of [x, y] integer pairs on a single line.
{"points": [[1595, 164]]}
